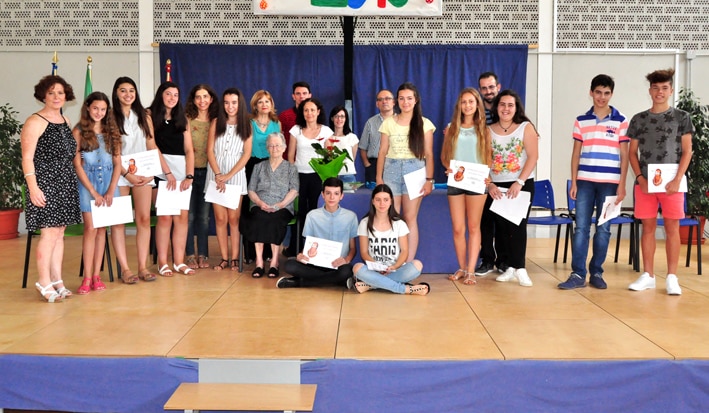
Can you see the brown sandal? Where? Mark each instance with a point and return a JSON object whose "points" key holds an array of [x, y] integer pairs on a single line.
{"points": [[128, 277], [202, 262], [222, 265], [146, 275], [191, 262]]}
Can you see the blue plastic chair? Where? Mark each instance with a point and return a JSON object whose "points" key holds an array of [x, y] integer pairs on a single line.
{"points": [[620, 220], [544, 198]]}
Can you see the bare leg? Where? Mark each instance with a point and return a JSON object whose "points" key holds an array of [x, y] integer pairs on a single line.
{"points": [[141, 200], [179, 236], [46, 268], [118, 236], [672, 244], [162, 238], [648, 244], [457, 208], [473, 211], [89, 247], [410, 215], [258, 246], [233, 216], [275, 253], [220, 221]]}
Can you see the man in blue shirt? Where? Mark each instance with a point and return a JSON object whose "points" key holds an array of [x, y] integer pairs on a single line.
{"points": [[333, 223]]}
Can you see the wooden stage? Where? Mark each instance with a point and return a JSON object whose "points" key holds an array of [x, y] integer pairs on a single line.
{"points": [[228, 315]]}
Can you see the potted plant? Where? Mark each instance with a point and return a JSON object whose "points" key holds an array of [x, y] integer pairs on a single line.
{"points": [[331, 162], [11, 176], [698, 171]]}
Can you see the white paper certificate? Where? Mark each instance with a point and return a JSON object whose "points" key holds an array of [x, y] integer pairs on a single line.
{"points": [[376, 266], [659, 174], [143, 163], [414, 182], [120, 212], [513, 210], [177, 165], [321, 252], [610, 210], [230, 198], [468, 176], [175, 199]]}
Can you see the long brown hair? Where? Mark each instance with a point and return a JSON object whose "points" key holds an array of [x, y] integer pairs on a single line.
{"points": [[416, 132], [391, 213], [136, 107], [111, 134], [450, 141], [243, 124]]}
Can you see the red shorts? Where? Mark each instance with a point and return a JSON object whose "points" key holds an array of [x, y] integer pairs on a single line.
{"points": [[646, 205]]}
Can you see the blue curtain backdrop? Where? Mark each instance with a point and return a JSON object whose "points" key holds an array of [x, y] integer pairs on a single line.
{"points": [[439, 72], [251, 68]]}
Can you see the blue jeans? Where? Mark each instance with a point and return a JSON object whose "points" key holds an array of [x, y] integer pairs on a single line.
{"points": [[394, 282], [198, 223], [589, 195]]}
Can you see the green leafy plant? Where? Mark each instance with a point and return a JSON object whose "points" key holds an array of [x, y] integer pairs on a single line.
{"points": [[698, 171], [329, 153], [11, 175], [331, 161]]}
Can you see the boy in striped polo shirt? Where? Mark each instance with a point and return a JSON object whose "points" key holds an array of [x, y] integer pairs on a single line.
{"points": [[599, 165]]}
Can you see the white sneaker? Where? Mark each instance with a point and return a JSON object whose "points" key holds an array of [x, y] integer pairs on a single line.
{"points": [[523, 277], [507, 276], [672, 284], [644, 282]]}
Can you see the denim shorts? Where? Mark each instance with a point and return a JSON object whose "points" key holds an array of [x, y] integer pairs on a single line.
{"points": [[100, 178], [394, 171]]}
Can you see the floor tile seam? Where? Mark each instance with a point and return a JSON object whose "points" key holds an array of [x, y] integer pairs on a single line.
{"points": [[482, 324], [201, 317]]}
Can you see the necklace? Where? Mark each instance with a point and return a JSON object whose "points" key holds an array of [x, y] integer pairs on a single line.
{"points": [[261, 125], [508, 126]]}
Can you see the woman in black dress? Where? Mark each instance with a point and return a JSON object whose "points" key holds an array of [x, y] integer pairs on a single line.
{"points": [[48, 149]]}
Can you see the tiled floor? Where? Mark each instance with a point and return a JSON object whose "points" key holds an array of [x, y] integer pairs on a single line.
{"points": [[230, 315]]}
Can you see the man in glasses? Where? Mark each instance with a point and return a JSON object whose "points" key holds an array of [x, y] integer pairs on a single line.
{"points": [[489, 87], [369, 142]]}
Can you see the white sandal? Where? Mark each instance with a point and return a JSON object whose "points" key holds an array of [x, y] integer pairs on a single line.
{"points": [[54, 296], [63, 291], [165, 271], [183, 268]]}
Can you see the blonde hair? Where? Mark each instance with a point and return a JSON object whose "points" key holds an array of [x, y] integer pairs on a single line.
{"points": [[254, 101], [450, 140]]}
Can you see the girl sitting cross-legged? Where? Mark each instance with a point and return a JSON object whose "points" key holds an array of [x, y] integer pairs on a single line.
{"points": [[383, 238]]}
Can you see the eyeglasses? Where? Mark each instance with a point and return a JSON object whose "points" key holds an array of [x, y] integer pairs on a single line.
{"points": [[384, 99], [339, 117], [273, 146]]}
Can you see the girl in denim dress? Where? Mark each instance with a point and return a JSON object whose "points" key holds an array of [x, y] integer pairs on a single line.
{"points": [[97, 163]]}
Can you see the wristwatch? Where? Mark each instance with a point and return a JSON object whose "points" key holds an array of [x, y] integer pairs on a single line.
{"points": [[431, 180], [521, 182], [190, 176]]}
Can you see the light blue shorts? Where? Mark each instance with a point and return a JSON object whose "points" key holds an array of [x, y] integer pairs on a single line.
{"points": [[394, 171], [100, 178]]}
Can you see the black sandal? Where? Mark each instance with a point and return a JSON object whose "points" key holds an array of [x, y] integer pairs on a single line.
{"points": [[273, 272], [222, 265], [258, 272]]}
